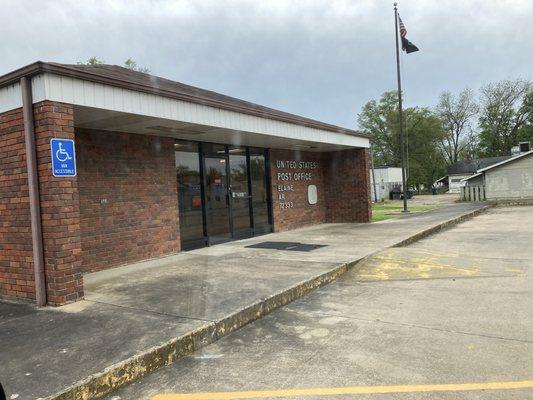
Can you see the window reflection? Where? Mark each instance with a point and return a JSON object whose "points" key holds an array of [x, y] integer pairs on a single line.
{"points": [[189, 194], [240, 199], [217, 202], [259, 191], [231, 193]]}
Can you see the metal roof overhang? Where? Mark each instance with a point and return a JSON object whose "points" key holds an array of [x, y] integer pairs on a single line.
{"points": [[113, 121], [443, 179], [117, 105], [472, 177]]}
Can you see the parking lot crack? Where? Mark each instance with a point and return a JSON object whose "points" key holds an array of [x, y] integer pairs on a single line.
{"points": [[417, 326], [150, 311]]}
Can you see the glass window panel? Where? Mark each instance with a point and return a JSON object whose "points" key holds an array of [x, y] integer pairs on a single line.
{"points": [[213, 150], [189, 192], [217, 201], [240, 199], [259, 189]]}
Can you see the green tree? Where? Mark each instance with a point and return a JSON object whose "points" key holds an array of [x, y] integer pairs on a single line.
{"points": [[525, 133], [505, 112], [91, 61], [423, 133], [457, 114], [380, 119], [129, 63]]}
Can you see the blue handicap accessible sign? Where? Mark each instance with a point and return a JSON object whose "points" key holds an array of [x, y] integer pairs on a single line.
{"points": [[63, 157]]}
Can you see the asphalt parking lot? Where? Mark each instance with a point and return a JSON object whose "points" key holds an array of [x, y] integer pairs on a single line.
{"points": [[137, 317], [448, 317]]}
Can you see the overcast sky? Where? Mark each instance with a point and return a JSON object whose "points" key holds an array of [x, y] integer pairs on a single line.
{"points": [[318, 58]]}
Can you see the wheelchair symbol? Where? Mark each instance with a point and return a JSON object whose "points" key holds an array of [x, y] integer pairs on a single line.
{"points": [[61, 154]]}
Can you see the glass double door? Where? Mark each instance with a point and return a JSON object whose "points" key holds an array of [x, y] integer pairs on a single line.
{"points": [[227, 194], [223, 193]]}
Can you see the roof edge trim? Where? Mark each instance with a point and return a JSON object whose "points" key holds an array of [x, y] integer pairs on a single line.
{"points": [[64, 70], [472, 177], [506, 161]]}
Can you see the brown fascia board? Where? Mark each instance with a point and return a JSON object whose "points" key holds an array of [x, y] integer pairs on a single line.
{"points": [[14, 76], [254, 109]]}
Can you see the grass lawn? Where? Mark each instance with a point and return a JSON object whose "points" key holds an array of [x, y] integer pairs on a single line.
{"points": [[393, 209]]}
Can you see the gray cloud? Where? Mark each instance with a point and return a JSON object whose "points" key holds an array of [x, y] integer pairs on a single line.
{"points": [[319, 58]]}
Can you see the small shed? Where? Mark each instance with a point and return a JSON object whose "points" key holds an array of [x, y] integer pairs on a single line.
{"points": [[459, 171], [511, 179], [387, 179]]}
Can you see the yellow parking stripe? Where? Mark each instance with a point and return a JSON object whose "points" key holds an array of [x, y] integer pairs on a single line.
{"points": [[346, 390]]}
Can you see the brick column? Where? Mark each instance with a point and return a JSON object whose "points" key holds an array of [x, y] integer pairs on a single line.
{"points": [[347, 182], [60, 212], [16, 259]]}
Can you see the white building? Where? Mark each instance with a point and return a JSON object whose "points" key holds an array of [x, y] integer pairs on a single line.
{"points": [[387, 178], [511, 179], [458, 172]]}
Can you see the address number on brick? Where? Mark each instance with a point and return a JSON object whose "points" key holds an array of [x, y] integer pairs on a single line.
{"points": [[287, 204]]}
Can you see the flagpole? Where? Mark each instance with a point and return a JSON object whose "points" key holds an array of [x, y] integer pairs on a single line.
{"points": [[402, 155]]}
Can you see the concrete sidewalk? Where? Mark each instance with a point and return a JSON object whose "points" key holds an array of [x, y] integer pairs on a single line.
{"points": [[137, 319]]}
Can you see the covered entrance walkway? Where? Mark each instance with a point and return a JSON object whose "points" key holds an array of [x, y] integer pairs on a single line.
{"points": [[213, 282]]}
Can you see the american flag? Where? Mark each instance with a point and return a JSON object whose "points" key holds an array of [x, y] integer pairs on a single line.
{"points": [[403, 31], [407, 46]]}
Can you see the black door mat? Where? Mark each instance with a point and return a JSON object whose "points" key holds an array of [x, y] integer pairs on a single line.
{"points": [[292, 246]]}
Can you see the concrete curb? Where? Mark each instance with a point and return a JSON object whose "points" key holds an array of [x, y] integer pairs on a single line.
{"points": [[512, 203], [150, 360], [136, 367], [444, 225]]}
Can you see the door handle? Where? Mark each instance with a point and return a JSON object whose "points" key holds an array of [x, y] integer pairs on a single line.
{"points": [[235, 195]]}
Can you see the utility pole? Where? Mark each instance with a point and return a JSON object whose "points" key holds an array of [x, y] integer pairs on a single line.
{"points": [[402, 153], [373, 173]]}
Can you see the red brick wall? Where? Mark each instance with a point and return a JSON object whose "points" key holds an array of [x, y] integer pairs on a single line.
{"points": [[294, 210], [342, 182], [122, 206], [347, 184], [60, 212], [128, 198], [16, 260]]}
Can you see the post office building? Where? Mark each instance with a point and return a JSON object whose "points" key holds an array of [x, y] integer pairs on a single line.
{"points": [[102, 166]]}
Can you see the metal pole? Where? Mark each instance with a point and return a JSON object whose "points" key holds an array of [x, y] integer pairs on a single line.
{"points": [[33, 186], [373, 173], [402, 155], [407, 171]]}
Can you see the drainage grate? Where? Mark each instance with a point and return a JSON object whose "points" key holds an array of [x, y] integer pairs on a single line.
{"points": [[293, 246]]}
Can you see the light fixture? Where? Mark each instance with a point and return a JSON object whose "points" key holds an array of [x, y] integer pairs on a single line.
{"points": [[168, 129], [300, 147]]}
